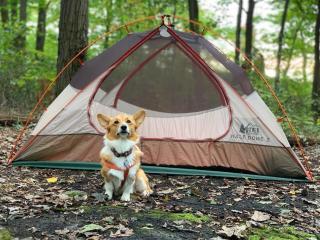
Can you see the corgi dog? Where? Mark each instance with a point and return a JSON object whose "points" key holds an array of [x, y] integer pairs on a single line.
{"points": [[121, 157]]}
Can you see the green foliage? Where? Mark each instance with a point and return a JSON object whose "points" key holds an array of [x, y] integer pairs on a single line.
{"points": [[20, 71], [295, 96]]}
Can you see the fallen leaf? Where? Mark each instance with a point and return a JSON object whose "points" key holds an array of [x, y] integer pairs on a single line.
{"points": [[260, 216], [232, 232], [167, 191], [292, 192], [122, 232], [52, 180], [74, 194], [90, 227], [108, 219], [62, 231]]}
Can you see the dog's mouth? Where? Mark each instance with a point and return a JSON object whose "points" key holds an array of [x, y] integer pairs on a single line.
{"points": [[123, 133]]}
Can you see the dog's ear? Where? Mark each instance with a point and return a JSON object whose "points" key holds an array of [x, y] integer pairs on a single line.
{"points": [[103, 120], [139, 117]]}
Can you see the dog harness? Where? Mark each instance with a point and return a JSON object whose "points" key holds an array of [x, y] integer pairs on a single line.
{"points": [[115, 167]]}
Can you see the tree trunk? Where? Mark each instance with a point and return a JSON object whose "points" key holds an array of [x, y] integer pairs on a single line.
{"points": [[304, 66], [238, 33], [14, 12], [316, 76], [174, 12], [73, 36], [249, 29], [294, 38], [4, 12], [304, 63], [41, 26], [193, 14], [108, 18], [21, 36], [280, 43]]}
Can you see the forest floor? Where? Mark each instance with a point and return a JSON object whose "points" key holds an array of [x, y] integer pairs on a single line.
{"points": [[182, 207]]}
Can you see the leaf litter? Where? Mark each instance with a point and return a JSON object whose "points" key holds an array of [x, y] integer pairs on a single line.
{"points": [[73, 206]]}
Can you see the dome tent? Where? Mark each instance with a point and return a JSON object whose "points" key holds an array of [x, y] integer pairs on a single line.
{"points": [[202, 112]]}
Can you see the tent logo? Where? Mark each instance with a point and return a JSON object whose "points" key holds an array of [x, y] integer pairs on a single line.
{"points": [[250, 132], [250, 129]]}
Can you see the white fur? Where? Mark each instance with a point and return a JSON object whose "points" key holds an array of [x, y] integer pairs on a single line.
{"points": [[120, 145]]}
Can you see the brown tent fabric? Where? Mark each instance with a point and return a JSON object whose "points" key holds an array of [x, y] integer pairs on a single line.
{"points": [[265, 160]]}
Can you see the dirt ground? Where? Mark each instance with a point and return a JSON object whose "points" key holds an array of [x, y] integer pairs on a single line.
{"points": [[72, 206]]}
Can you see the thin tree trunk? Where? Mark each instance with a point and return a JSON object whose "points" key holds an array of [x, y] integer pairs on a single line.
{"points": [[73, 36], [304, 62], [316, 76], [294, 38], [4, 12], [14, 11], [238, 33], [21, 37], [41, 26], [249, 28], [193, 14], [109, 16], [304, 66], [174, 12], [280, 43]]}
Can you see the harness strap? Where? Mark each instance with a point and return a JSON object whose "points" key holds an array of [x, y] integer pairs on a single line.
{"points": [[115, 167]]}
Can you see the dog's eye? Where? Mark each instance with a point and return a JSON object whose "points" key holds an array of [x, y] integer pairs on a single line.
{"points": [[116, 122], [128, 121]]}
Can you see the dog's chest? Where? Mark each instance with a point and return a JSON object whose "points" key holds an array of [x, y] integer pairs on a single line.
{"points": [[120, 146]]}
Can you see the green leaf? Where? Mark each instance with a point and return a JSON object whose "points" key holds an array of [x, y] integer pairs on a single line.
{"points": [[91, 227]]}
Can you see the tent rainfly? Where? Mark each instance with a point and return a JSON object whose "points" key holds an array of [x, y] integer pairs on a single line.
{"points": [[203, 115]]}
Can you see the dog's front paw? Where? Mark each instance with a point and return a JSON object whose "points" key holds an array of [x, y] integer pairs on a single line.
{"points": [[125, 197], [109, 195], [146, 193]]}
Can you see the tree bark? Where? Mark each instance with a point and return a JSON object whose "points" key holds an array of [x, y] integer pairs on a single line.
{"points": [[22, 28], [304, 63], [304, 66], [193, 14], [14, 11], [316, 75], [41, 26], [73, 36], [280, 43], [249, 29], [174, 12], [4, 12], [238, 33]]}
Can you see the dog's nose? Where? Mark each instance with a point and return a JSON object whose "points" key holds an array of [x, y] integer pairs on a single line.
{"points": [[123, 127]]}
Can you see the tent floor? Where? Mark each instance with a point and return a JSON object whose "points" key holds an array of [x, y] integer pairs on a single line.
{"points": [[154, 170]]}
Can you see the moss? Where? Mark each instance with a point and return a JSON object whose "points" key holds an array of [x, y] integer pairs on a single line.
{"points": [[151, 213], [74, 193], [5, 234], [284, 233], [90, 209], [178, 216]]}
